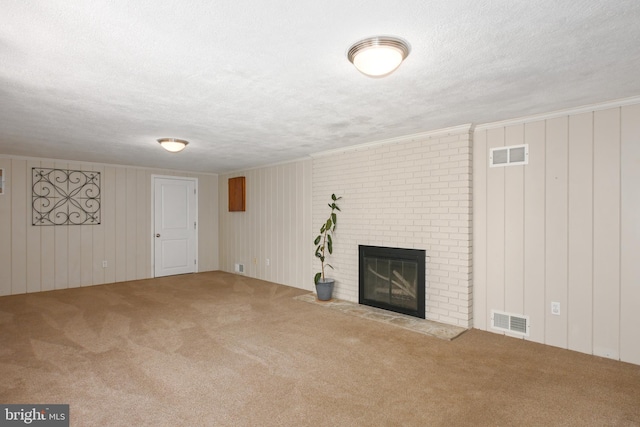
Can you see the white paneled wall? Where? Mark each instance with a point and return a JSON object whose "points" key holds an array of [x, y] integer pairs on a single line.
{"points": [[42, 258], [272, 238], [413, 193], [563, 228]]}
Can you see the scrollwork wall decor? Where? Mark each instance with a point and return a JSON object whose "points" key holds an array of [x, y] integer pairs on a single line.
{"points": [[65, 197]]}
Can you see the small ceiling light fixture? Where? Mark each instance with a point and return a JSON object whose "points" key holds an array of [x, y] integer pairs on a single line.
{"points": [[173, 144], [378, 56]]}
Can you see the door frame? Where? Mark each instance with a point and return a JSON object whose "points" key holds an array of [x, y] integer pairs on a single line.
{"points": [[153, 218]]}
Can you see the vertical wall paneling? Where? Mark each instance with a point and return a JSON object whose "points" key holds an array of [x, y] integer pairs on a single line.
{"points": [[61, 247], [211, 192], [109, 221], [581, 229], [290, 222], [298, 250], [514, 227], [254, 261], [606, 235], [306, 281], [480, 160], [272, 220], [270, 202], [279, 216], [19, 227], [534, 230], [630, 235], [131, 224], [260, 200], [75, 248], [223, 225], [271, 228], [48, 250], [120, 203], [580, 250], [34, 256], [556, 229], [243, 238], [495, 228], [285, 222], [253, 251], [86, 242], [5, 229], [98, 234], [294, 250], [74, 245], [142, 220], [226, 244], [43, 258], [276, 222], [207, 223]]}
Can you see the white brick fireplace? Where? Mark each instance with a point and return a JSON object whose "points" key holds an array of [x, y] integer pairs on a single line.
{"points": [[412, 193]]}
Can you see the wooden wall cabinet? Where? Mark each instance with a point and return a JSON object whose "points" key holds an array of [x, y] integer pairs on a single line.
{"points": [[237, 194]]}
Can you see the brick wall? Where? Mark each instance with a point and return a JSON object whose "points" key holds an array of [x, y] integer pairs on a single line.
{"points": [[413, 193]]}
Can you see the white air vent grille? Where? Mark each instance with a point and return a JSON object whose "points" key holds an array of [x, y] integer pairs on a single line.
{"points": [[509, 156], [507, 322]]}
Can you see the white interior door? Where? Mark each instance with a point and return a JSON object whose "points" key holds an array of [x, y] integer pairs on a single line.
{"points": [[175, 226]]}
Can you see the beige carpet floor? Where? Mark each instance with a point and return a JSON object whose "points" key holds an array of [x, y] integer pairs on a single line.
{"points": [[214, 349]]}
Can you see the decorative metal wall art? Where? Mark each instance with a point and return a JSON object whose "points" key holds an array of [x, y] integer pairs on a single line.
{"points": [[65, 197]]}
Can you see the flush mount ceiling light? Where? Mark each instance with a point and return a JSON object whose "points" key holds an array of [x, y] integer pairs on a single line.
{"points": [[378, 56], [173, 144]]}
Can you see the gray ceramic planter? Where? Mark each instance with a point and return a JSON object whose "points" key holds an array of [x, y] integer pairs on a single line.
{"points": [[324, 289]]}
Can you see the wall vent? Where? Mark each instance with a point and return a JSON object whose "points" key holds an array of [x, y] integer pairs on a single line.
{"points": [[507, 322], [239, 268], [509, 156]]}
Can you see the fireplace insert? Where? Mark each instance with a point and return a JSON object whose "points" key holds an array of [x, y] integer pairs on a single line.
{"points": [[392, 279]]}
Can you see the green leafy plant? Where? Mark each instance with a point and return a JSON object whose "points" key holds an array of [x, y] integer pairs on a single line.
{"points": [[324, 241]]}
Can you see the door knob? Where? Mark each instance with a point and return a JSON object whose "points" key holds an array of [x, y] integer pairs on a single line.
{"points": [[158, 235]]}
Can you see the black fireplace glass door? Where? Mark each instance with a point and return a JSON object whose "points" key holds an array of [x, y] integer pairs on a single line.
{"points": [[392, 279], [391, 282], [404, 284]]}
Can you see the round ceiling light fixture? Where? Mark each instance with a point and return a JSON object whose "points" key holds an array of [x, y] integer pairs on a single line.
{"points": [[173, 144], [378, 56]]}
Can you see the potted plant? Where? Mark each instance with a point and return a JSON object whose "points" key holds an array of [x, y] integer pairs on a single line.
{"points": [[324, 244]]}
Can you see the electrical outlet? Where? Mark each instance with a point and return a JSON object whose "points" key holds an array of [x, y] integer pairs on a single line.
{"points": [[104, 264], [555, 308], [255, 261], [268, 262]]}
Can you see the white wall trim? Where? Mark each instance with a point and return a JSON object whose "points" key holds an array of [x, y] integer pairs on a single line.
{"points": [[269, 165], [561, 113], [455, 130], [109, 165]]}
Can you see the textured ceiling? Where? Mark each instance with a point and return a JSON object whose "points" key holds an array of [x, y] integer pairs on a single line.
{"points": [[251, 84]]}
